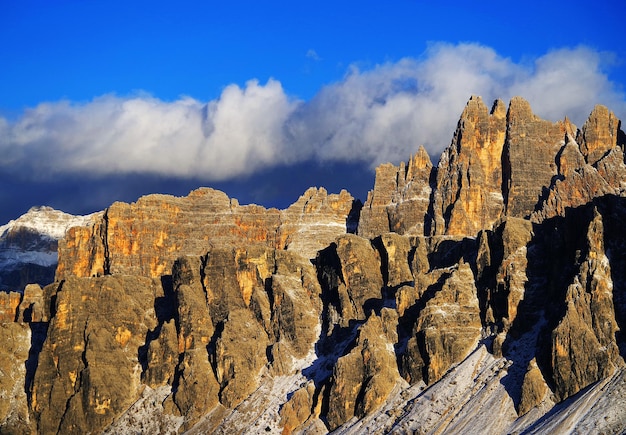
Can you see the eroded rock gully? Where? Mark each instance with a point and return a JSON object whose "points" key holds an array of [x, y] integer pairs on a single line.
{"points": [[505, 261]]}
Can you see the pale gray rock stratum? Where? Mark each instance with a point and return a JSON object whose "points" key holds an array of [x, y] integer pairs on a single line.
{"points": [[488, 291]]}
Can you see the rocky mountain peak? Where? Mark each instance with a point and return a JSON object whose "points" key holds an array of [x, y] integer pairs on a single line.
{"points": [[501, 162], [46, 221], [28, 246], [600, 133], [487, 291], [418, 162]]}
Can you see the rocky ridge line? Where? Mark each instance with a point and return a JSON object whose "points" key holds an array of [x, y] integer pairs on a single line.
{"points": [[503, 292]]}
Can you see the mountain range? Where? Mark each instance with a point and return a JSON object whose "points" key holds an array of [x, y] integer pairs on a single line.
{"points": [[483, 294]]}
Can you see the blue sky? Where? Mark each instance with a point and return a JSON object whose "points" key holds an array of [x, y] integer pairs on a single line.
{"points": [[108, 100]]}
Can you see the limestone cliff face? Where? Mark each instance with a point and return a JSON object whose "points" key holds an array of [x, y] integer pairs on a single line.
{"points": [[468, 193], [528, 157], [94, 336], [448, 327], [496, 280], [240, 312], [9, 303], [501, 162], [601, 133], [502, 263], [579, 182], [146, 237], [401, 198], [362, 379], [315, 220], [584, 348], [14, 410]]}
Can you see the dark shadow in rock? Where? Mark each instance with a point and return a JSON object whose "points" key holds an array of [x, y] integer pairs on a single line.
{"points": [[553, 258], [378, 245], [489, 293], [165, 310], [406, 326], [165, 306], [429, 217], [613, 210], [329, 349], [449, 252], [352, 221], [335, 340], [39, 332]]}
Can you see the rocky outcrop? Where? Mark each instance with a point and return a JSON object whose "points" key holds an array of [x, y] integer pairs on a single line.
{"points": [[363, 379], [584, 349], [14, 412], [350, 271], [94, 337], [315, 220], [534, 388], [528, 157], [400, 200], [447, 327], [579, 183], [495, 281], [240, 353], [298, 409], [600, 134], [468, 194], [197, 389], [500, 163], [502, 263], [236, 308], [146, 237], [9, 303]]}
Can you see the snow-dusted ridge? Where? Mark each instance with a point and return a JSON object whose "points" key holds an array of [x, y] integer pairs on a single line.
{"points": [[46, 221], [28, 246]]}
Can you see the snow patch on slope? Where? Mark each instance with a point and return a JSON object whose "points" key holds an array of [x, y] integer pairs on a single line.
{"points": [[448, 405], [146, 415], [259, 413], [31, 238], [46, 221], [600, 408]]}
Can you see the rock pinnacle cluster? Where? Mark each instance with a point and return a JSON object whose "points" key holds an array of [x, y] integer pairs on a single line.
{"points": [[487, 291]]}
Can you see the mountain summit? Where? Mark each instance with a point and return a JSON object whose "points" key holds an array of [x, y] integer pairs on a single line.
{"points": [[28, 246], [488, 291]]}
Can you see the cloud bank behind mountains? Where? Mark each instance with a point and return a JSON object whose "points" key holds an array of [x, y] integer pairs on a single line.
{"points": [[373, 116]]}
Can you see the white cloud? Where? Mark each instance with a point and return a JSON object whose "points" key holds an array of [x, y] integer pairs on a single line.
{"points": [[378, 115], [385, 113], [569, 82], [312, 54], [240, 132]]}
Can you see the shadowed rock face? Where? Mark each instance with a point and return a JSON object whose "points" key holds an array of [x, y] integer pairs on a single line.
{"points": [[583, 346], [205, 316]]}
